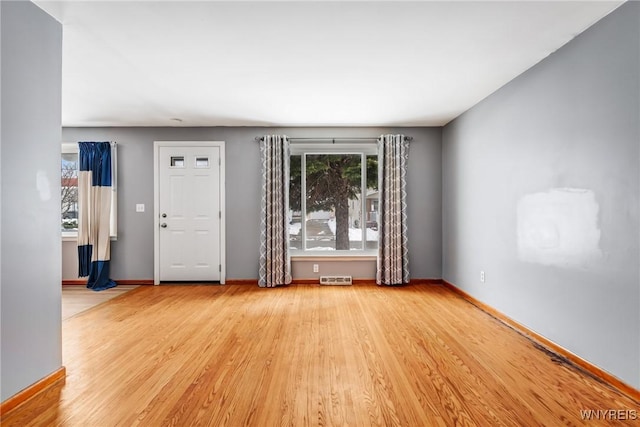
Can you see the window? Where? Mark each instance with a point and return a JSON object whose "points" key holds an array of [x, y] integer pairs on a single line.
{"points": [[69, 192], [202, 162], [69, 189], [177, 161], [333, 199]]}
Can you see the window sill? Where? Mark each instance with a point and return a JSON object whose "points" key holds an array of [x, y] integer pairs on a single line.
{"points": [[334, 258], [69, 237], [73, 237]]}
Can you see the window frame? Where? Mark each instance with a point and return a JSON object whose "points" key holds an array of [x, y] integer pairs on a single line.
{"points": [[364, 149], [72, 148]]}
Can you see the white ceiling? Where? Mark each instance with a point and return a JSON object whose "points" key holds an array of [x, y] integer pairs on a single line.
{"points": [[300, 63]]}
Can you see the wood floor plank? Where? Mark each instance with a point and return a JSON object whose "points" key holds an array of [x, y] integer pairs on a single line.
{"points": [[77, 298], [307, 355]]}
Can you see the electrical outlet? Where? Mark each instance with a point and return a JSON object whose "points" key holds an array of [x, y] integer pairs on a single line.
{"points": [[140, 207], [316, 268], [482, 276]]}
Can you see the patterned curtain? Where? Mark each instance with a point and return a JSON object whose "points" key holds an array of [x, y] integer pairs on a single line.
{"points": [[94, 213], [393, 258], [275, 265]]}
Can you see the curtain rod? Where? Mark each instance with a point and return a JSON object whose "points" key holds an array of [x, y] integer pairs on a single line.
{"points": [[334, 139]]}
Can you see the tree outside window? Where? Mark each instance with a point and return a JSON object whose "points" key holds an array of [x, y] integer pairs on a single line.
{"points": [[69, 191], [333, 199]]}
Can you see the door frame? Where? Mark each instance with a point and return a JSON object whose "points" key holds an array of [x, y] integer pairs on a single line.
{"points": [[156, 202]]}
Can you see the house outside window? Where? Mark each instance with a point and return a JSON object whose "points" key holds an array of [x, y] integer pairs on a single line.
{"points": [[333, 199]]}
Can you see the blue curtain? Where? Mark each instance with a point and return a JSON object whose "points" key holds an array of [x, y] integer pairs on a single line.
{"points": [[94, 214]]}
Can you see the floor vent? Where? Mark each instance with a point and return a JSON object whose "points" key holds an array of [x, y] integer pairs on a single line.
{"points": [[335, 280]]}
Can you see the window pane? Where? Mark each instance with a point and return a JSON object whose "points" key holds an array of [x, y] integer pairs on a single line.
{"points": [[295, 204], [202, 162], [372, 203], [177, 161], [69, 192], [333, 206]]}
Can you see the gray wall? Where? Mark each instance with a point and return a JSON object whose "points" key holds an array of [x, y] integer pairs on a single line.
{"points": [[30, 168], [540, 190], [132, 253]]}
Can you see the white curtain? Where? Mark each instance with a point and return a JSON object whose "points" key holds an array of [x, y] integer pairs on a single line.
{"points": [[393, 256], [275, 264]]}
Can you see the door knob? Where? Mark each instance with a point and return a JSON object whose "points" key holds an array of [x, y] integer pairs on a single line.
{"points": [[164, 215], [163, 225]]}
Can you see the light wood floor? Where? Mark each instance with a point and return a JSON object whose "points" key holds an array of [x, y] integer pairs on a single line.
{"points": [[77, 298], [306, 355]]}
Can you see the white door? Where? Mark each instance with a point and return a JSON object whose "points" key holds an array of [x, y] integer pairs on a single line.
{"points": [[189, 207]]}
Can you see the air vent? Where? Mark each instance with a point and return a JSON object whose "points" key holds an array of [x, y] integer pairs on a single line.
{"points": [[335, 280]]}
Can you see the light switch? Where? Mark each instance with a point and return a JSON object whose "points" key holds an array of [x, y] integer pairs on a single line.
{"points": [[140, 207]]}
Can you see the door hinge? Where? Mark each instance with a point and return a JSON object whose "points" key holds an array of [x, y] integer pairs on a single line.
{"points": [[219, 161], [220, 214], [220, 268]]}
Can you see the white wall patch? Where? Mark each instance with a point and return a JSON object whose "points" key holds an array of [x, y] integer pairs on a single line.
{"points": [[559, 227], [43, 186]]}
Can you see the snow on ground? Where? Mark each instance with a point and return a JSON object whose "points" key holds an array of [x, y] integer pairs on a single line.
{"points": [[355, 234], [294, 229]]}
